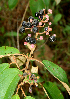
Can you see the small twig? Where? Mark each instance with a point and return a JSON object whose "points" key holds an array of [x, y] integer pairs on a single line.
{"points": [[41, 46], [23, 92], [45, 91], [20, 26], [19, 87], [29, 59], [13, 40]]}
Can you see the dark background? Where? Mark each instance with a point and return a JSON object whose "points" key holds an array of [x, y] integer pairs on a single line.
{"points": [[58, 52]]}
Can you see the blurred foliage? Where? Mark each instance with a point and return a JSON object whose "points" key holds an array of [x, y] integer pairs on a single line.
{"points": [[57, 17], [12, 3], [10, 19], [57, 1]]}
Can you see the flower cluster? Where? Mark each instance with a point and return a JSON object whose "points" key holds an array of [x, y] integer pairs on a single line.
{"points": [[31, 79], [34, 24]]}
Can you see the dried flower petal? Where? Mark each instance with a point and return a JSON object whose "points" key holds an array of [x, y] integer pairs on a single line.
{"points": [[49, 11], [47, 17], [50, 23], [40, 23], [54, 35], [41, 37], [47, 33], [29, 35], [50, 29], [25, 43], [32, 45]]}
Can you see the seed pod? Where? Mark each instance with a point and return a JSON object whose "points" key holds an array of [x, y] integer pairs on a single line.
{"points": [[30, 19], [24, 23], [41, 12], [22, 30], [46, 28], [36, 14], [35, 29], [27, 39], [52, 38], [32, 41], [35, 22], [28, 25]]}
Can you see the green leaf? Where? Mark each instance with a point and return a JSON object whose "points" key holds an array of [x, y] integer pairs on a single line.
{"points": [[56, 71], [67, 28], [38, 80], [53, 91], [57, 1], [2, 29], [8, 80], [12, 3], [57, 17], [4, 50], [3, 67], [15, 97], [47, 3], [29, 97], [36, 5], [11, 34]]}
